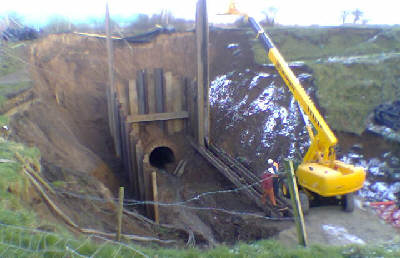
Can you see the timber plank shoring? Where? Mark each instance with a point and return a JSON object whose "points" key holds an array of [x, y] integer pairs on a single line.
{"points": [[157, 117], [141, 93], [159, 93]]}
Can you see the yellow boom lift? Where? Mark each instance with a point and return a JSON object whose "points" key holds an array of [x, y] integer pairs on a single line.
{"points": [[319, 174]]}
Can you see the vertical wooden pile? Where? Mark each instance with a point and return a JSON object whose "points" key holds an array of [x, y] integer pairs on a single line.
{"points": [[112, 102], [202, 39]]}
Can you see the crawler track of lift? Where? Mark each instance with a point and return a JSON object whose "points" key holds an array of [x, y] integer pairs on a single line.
{"points": [[243, 179]]}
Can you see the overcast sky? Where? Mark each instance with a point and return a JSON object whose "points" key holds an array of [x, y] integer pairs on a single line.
{"points": [[305, 12]]}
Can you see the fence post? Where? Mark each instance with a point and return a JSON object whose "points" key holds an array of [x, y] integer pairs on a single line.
{"points": [[155, 197], [297, 211], [120, 211]]}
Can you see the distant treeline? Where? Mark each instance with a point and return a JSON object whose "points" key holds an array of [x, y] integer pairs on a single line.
{"points": [[13, 26]]}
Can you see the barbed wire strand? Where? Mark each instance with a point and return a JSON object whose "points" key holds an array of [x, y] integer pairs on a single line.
{"points": [[181, 204], [67, 244], [194, 198]]}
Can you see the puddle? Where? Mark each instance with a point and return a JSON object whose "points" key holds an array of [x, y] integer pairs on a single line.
{"points": [[338, 235]]}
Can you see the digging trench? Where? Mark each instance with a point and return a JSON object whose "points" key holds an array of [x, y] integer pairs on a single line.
{"points": [[68, 123]]}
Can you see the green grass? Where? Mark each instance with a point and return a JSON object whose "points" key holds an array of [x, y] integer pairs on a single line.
{"points": [[14, 87], [348, 93], [8, 62], [40, 244], [271, 248], [6, 89], [14, 185], [309, 43]]}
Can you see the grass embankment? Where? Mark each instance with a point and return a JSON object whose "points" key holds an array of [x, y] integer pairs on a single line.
{"points": [[8, 62], [14, 185], [311, 43], [347, 89], [11, 62], [350, 92], [270, 248]]}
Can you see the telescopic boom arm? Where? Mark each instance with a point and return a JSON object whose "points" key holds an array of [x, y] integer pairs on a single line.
{"points": [[322, 144]]}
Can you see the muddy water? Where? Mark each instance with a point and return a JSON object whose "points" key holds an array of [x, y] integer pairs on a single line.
{"points": [[254, 117]]}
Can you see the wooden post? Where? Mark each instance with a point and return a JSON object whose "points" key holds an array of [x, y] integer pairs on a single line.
{"points": [[110, 89], [297, 211], [202, 38], [151, 91], [159, 93], [140, 171], [142, 92], [120, 211], [117, 129], [133, 103], [134, 168], [155, 197], [185, 104]]}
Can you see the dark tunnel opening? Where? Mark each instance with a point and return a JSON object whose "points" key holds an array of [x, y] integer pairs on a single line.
{"points": [[161, 156]]}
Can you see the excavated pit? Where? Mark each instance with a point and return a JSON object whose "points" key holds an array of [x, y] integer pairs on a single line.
{"points": [[69, 125]]}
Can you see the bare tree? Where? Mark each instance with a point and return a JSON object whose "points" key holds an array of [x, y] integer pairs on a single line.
{"points": [[344, 15], [270, 16], [357, 13], [57, 24]]}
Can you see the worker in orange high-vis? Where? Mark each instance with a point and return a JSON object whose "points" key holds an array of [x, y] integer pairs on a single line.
{"points": [[267, 185]]}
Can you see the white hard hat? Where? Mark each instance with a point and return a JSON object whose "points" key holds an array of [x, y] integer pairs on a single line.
{"points": [[271, 170], [270, 161]]}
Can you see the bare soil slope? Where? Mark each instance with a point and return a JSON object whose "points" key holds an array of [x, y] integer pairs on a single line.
{"points": [[68, 123]]}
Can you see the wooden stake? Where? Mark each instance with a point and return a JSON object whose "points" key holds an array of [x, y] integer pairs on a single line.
{"points": [[202, 38], [111, 88], [297, 211], [120, 210], [155, 197]]}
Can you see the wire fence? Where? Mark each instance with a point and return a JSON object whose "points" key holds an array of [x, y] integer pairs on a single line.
{"points": [[183, 203], [20, 241]]}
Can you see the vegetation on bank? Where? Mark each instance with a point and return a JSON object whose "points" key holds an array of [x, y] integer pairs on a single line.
{"points": [[354, 68], [349, 92], [14, 186], [10, 62], [42, 244], [312, 43]]}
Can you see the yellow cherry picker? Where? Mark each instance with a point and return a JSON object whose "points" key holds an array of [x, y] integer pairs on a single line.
{"points": [[319, 174]]}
